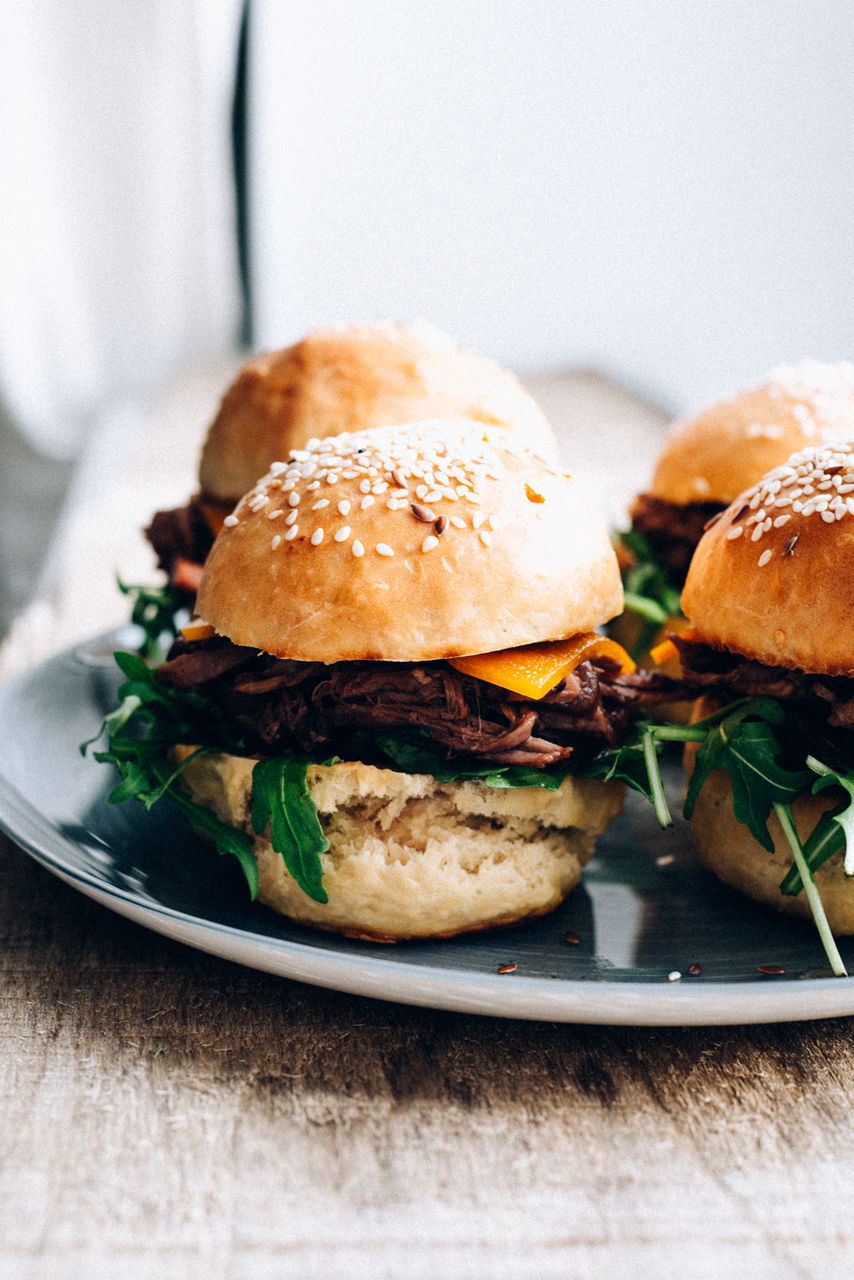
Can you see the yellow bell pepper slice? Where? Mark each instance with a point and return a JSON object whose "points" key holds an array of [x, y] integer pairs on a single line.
{"points": [[534, 669]]}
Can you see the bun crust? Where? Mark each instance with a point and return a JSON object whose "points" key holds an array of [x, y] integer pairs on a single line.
{"points": [[728, 849], [773, 578], [352, 379], [409, 543], [713, 456], [413, 858]]}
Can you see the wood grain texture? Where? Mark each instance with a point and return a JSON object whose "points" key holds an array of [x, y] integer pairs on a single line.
{"points": [[164, 1111]]}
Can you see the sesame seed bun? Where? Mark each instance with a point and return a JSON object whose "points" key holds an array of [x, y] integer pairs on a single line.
{"points": [[409, 543], [773, 578], [352, 379], [728, 849], [414, 858], [713, 456]]}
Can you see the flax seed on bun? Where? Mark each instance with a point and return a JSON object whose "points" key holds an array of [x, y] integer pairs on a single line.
{"points": [[351, 379], [406, 545], [772, 582], [409, 543]]}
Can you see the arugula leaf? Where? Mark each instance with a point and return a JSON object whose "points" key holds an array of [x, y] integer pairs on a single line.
{"points": [[844, 815], [158, 612], [745, 744], [280, 797], [784, 816], [648, 590]]}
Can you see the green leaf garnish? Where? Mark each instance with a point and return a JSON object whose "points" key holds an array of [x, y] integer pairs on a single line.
{"points": [[280, 797], [784, 815], [158, 612], [744, 743], [647, 590]]}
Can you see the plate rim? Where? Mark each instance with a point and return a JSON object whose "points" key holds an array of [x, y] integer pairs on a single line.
{"points": [[532, 998]]}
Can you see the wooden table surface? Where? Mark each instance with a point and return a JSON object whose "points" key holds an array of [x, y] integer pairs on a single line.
{"points": [[169, 1114]]}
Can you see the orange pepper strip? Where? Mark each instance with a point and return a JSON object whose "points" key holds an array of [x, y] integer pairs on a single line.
{"points": [[534, 669], [197, 630], [663, 652]]}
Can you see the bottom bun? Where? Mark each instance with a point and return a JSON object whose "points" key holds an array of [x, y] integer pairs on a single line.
{"points": [[411, 857], [729, 850]]}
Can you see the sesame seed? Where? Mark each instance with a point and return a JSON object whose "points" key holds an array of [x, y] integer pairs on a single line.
{"points": [[441, 525], [274, 515], [315, 484], [317, 537], [458, 522], [294, 498], [358, 549], [331, 477], [318, 506], [398, 478], [763, 559], [485, 537], [276, 468], [276, 541], [364, 486], [781, 520], [230, 521], [342, 534], [429, 542], [344, 507], [434, 495], [383, 549], [674, 975], [477, 519], [292, 533], [292, 517], [367, 501], [474, 497], [421, 490]]}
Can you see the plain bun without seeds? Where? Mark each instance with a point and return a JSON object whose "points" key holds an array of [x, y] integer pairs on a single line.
{"points": [[352, 379], [406, 545], [409, 543]]}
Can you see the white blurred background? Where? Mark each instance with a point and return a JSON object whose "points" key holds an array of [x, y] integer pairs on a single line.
{"points": [[659, 191]]}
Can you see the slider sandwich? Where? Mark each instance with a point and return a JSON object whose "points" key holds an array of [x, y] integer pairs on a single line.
{"points": [[707, 461], [333, 380], [770, 600], [397, 711]]}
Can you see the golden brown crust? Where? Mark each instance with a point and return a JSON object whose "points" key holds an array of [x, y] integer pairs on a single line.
{"points": [[773, 578], [713, 456], [351, 379], [413, 858], [729, 850], [483, 549]]}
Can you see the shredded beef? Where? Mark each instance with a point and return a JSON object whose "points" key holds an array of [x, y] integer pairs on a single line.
{"points": [[181, 538], [313, 707], [672, 530], [822, 705]]}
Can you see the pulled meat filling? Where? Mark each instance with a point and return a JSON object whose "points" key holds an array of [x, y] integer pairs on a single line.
{"points": [[672, 530], [182, 539], [822, 705], [309, 706]]}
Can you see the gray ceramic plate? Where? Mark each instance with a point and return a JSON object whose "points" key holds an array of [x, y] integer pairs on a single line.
{"points": [[646, 910]]}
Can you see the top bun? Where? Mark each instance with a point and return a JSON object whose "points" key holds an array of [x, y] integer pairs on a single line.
{"points": [[351, 379], [408, 543], [773, 577], [713, 456]]}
